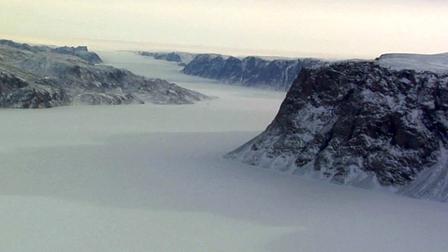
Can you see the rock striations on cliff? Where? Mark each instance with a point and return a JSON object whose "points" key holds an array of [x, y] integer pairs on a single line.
{"points": [[251, 71], [361, 123], [42, 77], [277, 74]]}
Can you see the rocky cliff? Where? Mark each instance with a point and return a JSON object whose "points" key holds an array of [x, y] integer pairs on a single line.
{"points": [[41, 76], [181, 58], [277, 74], [79, 51], [363, 124]]}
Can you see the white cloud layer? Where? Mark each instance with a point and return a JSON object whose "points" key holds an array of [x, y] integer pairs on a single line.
{"points": [[322, 28]]}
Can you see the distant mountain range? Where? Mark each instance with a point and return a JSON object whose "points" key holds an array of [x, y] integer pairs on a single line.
{"points": [[181, 58], [381, 124], [43, 76], [261, 72]]}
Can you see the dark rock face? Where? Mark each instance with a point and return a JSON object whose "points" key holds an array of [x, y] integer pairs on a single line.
{"points": [[35, 77], [276, 74], [17, 93], [359, 123], [249, 71]]}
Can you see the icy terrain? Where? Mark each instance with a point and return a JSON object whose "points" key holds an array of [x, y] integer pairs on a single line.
{"points": [[152, 178], [437, 63]]}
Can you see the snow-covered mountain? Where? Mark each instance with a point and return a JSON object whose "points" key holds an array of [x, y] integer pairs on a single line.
{"points": [[277, 74], [41, 76], [251, 71], [364, 124]]}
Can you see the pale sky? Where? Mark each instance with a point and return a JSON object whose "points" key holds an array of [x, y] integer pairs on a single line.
{"points": [[320, 28]]}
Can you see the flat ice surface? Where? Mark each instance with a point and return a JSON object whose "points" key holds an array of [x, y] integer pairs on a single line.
{"points": [[437, 63], [152, 178]]}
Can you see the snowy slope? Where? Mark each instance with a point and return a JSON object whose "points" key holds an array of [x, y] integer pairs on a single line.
{"points": [[420, 62], [432, 183]]}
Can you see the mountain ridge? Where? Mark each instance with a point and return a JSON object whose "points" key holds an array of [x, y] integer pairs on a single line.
{"points": [[250, 71], [42, 77]]}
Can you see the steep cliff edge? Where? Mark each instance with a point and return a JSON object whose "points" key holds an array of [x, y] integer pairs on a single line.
{"points": [[251, 71], [363, 124], [277, 74]]}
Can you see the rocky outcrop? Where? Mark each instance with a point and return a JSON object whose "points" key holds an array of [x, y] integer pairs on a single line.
{"points": [[363, 124], [181, 58], [81, 52], [172, 56], [17, 93], [40, 76], [277, 74]]}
